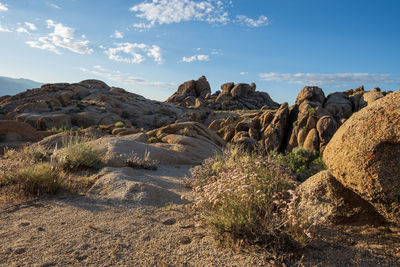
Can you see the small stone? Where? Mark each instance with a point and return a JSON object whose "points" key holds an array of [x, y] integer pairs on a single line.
{"points": [[24, 224], [40, 229], [170, 221], [185, 240], [20, 250]]}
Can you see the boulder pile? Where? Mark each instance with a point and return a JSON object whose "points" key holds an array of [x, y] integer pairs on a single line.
{"points": [[364, 173], [310, 123], [241, 96]]}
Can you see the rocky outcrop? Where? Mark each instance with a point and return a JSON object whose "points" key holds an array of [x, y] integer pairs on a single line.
{"points": [[197, 94], [310, 123], [364, 155], [315, 118], [89, 103]]}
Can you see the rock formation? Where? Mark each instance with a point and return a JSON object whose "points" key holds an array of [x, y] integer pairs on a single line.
{"points": [[85, 104], [197, 94]]}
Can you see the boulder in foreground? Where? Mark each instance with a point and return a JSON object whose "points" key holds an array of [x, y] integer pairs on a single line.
{"points": [[364, 155]]}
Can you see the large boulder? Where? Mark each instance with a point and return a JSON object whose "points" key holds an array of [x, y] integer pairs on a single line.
{"points": [[324, 200], [364, 155], [13, 129], [311, 93]]}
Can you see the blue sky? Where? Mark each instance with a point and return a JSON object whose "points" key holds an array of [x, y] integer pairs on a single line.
{"points": [[150, 47]]}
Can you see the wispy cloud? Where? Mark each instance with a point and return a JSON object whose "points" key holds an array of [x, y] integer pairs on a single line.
{"points": [[55, 6], [117, 35], [158, 12], [31, 26], [196, 58], [61, 37], [3, 7], [4, 29], [128, 79], [136, 53], [244, 73], [22, 30], [249, 22], [175, 11], [334, 79]]}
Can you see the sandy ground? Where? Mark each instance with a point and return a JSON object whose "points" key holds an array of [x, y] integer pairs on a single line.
{"points": [[78, 230]]}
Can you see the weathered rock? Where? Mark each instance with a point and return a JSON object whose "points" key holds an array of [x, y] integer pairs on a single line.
{"points": [[312, 142], [125, 131], [240, 90], [326, 128], [227, 87], [369, 97], [23, 130], [339, 105], [324, 200], [311, 93], [276, 130], [50, 121], [364, 155]]}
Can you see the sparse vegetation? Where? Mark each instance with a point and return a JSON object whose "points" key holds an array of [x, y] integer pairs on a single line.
{"points": [[142, 163], [312, 111], [249, 197], [43, 178], [58, 130], [31, 154]]}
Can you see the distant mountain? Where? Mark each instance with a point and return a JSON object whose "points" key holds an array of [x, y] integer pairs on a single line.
{"points": [[12, 86]]}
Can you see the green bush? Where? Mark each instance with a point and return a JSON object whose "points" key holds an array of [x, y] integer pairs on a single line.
{"points": [[43, 178], [153, 140], [119, 124], [249, 197], [304, 163]]}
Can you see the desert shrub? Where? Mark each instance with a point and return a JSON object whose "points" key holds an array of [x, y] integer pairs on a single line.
{"points": [[142, 163], [312, 111], [304, 163], [119, 124], [249, 197], [184, 131], [58, 130], [153, 140], [43, 178], [31, 154], [80, 155]]}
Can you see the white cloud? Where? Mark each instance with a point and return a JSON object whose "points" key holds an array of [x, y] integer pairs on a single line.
{"points": [[55, 6], [136, 53], [334, 79], [196, 58], [244, 73], [128, 79], [3, 7], [117, 35], [61, 37], [175, 11], [31, 26], [22, 30], [4, 29], [249, 22]]}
